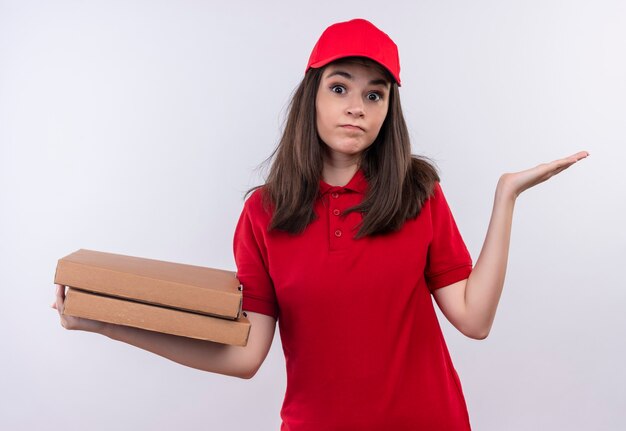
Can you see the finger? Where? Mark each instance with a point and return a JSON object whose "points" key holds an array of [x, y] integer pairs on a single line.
{"points": [[61, 291], [574, 157], [60, 300], [562, 166], [580, 155], [545, 170], [559, 170], [557, 166]]}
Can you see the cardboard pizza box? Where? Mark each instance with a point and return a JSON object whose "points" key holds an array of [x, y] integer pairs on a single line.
{"points": [[198, 289], [103, 308]]}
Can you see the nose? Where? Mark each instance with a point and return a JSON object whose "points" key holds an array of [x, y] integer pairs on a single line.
{"points": [[355, 107]]}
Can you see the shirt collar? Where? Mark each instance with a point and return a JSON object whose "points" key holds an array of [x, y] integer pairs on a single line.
{"points": [[357, 184]]}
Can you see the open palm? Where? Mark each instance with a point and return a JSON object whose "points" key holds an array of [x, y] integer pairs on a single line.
{"points": [[517, 182]]}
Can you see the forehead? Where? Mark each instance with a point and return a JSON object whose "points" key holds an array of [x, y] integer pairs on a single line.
{"points": [[359, 66]]}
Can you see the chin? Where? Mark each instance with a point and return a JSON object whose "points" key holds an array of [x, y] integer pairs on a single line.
{"points": [[346, 148]]}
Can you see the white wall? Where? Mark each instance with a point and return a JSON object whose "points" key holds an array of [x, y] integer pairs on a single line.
{"points": [[135, 127]]}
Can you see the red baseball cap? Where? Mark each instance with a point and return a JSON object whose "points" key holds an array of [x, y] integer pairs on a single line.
{"points": [[356, 38]]}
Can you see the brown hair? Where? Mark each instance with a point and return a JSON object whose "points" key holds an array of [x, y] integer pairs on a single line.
{"points": [[398, 183]]}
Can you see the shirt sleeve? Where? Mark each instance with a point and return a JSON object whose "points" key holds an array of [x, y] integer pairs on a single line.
{"points": [[251, 260], [448, 260]]}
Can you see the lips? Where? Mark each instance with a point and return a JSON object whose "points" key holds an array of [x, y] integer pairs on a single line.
{"points": [[352, 127]]}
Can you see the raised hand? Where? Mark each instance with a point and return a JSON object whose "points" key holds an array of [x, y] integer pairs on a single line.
{"points": [[517, 182], [470, 305]]}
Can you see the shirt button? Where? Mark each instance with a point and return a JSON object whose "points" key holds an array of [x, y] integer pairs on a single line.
{"points": [[335, 195], [337, 233], [336, 212]]}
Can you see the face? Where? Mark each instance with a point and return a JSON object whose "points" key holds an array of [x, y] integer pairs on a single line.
{"points": [[351, 105]]}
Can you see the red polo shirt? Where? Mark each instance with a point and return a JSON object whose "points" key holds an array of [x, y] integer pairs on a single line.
{"points": [[362, 344]]}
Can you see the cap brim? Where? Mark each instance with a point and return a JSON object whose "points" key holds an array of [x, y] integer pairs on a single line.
{"points": [[352, 54]]}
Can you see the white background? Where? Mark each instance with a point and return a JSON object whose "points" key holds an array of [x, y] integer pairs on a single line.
{"points": [[135, 127]]}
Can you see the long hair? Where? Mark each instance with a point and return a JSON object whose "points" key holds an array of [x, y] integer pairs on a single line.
{"points": [[398, 183]]}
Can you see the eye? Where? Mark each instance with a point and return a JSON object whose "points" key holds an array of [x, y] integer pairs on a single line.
{"points": [[374, 97], [339, 89]]}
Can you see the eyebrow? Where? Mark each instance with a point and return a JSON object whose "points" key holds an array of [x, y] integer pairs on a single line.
{"points": [[346, 75]]}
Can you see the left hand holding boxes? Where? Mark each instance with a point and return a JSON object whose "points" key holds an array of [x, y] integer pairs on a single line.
{"points": [[232, 360], [173, 298]]}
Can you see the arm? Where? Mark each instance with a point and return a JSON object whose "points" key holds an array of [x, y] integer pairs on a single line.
{"points": [[218, 358], [470, 305]]}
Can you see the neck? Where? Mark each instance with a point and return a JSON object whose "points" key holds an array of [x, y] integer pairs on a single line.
{"points": [[338, 171]]}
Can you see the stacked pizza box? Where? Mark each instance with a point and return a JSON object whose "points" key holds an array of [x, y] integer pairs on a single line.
{"points": [[174, 298]]}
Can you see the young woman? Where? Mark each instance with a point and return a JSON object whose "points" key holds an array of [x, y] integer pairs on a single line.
{"points": [[344, 246]]}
